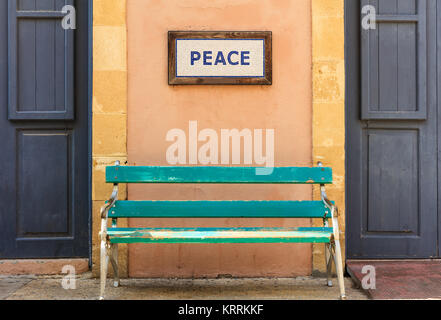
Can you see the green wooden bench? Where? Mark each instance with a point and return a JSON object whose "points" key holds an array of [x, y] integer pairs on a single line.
{"points": [[115, 209]]}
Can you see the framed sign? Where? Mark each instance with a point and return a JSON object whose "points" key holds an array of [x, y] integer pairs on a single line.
{"points": [[220, 57]]}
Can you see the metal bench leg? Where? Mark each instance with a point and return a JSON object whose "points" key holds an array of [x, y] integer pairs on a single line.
{"points": [[339, 269], [328, 260], [104, 263], [104, 258], [114, 261]]}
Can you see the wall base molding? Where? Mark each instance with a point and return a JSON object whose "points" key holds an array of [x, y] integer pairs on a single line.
{"points": [[41, 266]]}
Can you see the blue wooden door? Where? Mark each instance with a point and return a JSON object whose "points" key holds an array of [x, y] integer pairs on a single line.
{"points": [[44, 189], [392, 130]]}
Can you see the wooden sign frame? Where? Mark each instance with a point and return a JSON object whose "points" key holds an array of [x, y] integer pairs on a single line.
{"points": [[264, 35]]}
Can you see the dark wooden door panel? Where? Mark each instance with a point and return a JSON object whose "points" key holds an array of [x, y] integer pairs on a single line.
{"points": [[393, 61], [44, 172], [392, 173], [41, 61]]}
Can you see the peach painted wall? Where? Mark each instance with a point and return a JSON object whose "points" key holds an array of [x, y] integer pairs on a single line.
{"points": [[154, 108]]}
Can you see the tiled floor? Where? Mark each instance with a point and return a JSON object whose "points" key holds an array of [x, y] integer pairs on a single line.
{"points": [[400, 279]]}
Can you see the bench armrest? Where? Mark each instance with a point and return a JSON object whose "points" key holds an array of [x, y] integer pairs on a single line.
{"points": [[113, 198], [105, 212], [334, 213], [110, 203], [328, 204]]}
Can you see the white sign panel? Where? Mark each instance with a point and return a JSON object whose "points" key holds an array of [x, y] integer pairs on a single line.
{"points": [[220, 58]]}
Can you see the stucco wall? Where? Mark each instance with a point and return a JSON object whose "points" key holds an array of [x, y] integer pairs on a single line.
{"points": [[154, 108]]}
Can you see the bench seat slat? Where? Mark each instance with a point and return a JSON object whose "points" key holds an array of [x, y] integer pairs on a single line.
{"points": [[217, 175], [220, 235], [219, 209]]}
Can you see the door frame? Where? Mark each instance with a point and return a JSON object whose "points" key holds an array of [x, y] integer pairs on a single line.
{"points": [[352, 82], [438, 89], [89, 124]]}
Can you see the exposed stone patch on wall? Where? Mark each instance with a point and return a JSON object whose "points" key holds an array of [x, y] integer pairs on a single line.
{"points": [[329, 105], [109, 111]]}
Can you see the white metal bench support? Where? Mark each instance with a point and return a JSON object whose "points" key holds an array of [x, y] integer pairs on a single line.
{"points": [[108, 251], [104, 263]]}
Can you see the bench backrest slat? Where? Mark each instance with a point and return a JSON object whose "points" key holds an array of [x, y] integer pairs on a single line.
{"points": [[218, 175], [219, 209]]}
